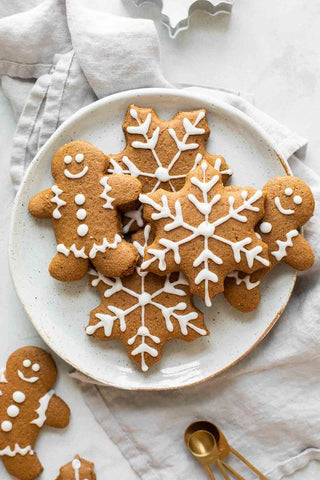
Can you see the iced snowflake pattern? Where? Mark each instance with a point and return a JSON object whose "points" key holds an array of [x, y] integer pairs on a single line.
{"points": [[201, 215], [156, 136], [144, 310]]}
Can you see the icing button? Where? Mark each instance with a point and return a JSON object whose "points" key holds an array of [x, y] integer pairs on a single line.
{"points": [[82, 230], [13, 411], [6, 426], [18, 396], [79, 199], [81, 214]]}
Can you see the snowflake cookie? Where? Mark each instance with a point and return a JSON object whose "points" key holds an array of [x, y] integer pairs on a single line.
{"points": [[160, 153], [77, 469], [205, 230], [84, 205], [27, 402], [289, 205], [144, 310]]}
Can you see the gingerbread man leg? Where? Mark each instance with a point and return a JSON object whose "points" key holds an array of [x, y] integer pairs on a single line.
{"points": [[24, 467], [120, 261], [68, 268]]}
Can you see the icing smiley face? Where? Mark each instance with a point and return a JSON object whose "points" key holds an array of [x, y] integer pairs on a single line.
{"points": [[79, 158], [27, 364], [289, 198]]}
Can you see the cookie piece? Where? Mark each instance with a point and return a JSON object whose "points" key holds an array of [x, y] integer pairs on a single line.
{"points": [[160, 153], [84, 205], [144, 310], [27, 402], [78, 469], [289, 205], [205, 230]]}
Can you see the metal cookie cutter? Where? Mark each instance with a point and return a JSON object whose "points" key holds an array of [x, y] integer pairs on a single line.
{"points": [[175, 14]]}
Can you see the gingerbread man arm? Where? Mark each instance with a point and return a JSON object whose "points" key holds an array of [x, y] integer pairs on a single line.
{"points": [[125, 190], [58, 413], [300, 256], [40, 205]]}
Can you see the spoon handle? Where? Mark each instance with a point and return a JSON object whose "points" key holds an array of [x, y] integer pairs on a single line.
{"points": [[246, 462], [222, 470], [211, 476], [234, 473]]}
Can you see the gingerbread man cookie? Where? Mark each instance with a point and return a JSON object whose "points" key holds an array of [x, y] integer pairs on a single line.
{"points": [[289, 205], [144, 310], [84, 205], [27, 402], [160, 153], [77, 469], [205, 230]]}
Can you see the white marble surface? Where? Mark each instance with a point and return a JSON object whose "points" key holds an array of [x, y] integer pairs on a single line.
{"points": [[268, 48]]}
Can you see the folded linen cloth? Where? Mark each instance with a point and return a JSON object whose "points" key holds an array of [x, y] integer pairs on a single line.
{"points": [[58, 57]]}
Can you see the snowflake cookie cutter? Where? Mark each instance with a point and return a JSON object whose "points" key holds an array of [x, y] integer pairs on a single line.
{"points": [[175, 15]]}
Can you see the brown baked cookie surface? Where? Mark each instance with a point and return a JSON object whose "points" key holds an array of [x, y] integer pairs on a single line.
{"points": [[204, 230], [289, 205], [77, 469], [161, 152], [27, 402], [84, 205], [144, 310]]}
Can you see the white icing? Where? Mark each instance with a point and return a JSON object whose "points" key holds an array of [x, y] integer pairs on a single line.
{"points": [[297, 199], [162, 174], [142, 299], [79, 199], [57, 200], [2, 376], [79, 157], [26, 363], [42, 409], [13, 411], [265, 227], [104, 194], [36, 367], [26, 379], [104, 245], [285, 211], [288, 191], [81, 214], [76, 465], [76, 175], [217, 166], [82, 230], [6, 426], [206, 229], [78, 253], [246, 280], [18, 397], [67, 159], [16, 450], [283, 245]]}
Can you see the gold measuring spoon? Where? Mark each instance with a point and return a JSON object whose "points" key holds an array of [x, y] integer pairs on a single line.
{"points": [[224, 449], [203, 446]]}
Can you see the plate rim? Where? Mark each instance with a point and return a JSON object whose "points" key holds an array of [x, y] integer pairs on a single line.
{"points": [[130, 94]]}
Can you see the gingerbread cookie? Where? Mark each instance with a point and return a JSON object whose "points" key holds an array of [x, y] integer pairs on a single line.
{"points": [[205, 230], [27, 402], [160, 153], [77, 469], [144, 310], [289, 205], [84, 205]]}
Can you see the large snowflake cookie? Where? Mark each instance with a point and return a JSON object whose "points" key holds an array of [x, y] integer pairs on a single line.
{"points": [[205, 230], [289, 205], [144, 310], [77, 469], [27, 402], [84, 205], [160, 153]]}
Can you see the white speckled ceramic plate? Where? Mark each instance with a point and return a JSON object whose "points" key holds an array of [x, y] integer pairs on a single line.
{"points": [[60, 311]]}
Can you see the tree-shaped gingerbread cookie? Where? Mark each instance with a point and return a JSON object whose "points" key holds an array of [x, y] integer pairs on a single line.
{"points": [[27, 402], [84, 205], [289, 205], [77, 469], [204, 230]]}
